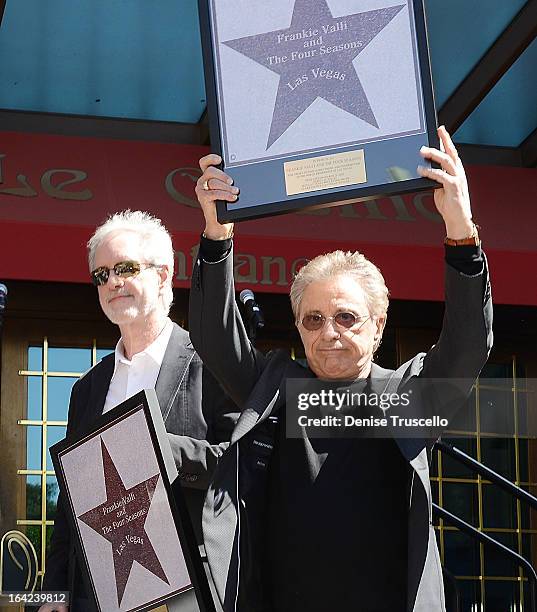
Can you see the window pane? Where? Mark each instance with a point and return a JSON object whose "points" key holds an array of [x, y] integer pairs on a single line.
{"points": [[499, 508], [103, 352], [59, 391], [523, 460], [461, 499], [52, 497], [529, 547], [465, 418], [434, 463], [496, 409], [434, 493], [451, 468], [33, 447], [55, 433], [461, 554], [34, 535], [33, 497], [69, 359], [532, 460], [498, 563], [502, 595], [35, 398], [527, 596], [525, 426], [35, 358], [502, 372], [470, 591], [527, 514], [499, 455]]}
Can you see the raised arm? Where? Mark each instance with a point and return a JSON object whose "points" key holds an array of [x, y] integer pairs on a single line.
{"points": [[216, 328], [466, 337]]}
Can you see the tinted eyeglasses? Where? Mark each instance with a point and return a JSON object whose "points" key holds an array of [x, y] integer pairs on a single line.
{"points": [[347, 320], [124, 269]]}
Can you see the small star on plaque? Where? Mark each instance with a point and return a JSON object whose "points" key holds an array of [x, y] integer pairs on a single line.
{"points": [[314, 60], [121, 519]]}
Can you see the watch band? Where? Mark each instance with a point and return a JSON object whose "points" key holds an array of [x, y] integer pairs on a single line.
{"points": [[471, 240]]}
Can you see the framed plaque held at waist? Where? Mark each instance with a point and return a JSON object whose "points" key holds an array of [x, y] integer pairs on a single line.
{"points": [[317, 102], [133, 536]]}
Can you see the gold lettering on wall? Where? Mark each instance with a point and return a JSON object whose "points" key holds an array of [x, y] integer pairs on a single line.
{"points": [[268, 262], [315, 211], [56, 191], [26, 191], [373, 211], [425, 212], [349, 211], [181, 198], [401, 209], [245, 268], [184, 264], [297, 264], [180, 266]]}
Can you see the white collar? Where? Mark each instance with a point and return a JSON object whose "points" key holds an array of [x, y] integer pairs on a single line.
{"points": [[155, 350]]}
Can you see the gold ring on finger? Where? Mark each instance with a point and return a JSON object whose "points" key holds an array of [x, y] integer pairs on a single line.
{"points": [[206, 185]]}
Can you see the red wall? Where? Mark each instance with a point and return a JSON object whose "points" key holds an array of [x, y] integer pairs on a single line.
{"points": [[54, 190]]}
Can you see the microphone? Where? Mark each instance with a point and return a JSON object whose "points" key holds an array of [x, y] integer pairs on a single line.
{"points": [[3, 302], [253, 312]]}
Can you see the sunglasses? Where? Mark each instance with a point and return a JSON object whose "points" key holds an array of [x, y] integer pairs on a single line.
{"points": [[316, 321], [123, 269]]}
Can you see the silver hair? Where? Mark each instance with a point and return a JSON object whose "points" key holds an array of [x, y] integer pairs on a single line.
{"points": [[156, 240], [345, 263]]}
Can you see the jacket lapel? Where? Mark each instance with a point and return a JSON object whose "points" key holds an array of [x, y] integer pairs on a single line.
{"points": [[266, 399], [379, 379], [101, 375], [388, 381], [179, 353]]}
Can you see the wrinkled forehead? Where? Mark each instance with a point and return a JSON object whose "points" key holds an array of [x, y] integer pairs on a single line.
{"points": [[334, 294], [119, 245]]}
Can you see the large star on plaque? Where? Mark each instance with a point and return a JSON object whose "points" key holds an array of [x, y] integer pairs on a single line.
{"points": [[313, 57], [121, 519]]}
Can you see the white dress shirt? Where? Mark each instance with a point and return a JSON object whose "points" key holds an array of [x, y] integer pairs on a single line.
{"points": [[141, 372]]}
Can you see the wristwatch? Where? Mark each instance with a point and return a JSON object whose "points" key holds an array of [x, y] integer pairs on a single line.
{"points": [[472, 240]]}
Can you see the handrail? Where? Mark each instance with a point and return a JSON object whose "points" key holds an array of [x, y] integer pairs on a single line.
{"points": [[508, 486], [486, 539], [487, 473]]}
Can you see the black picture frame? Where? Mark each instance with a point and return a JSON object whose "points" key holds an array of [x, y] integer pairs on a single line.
{"points": [[253, 178], [145, 402]]}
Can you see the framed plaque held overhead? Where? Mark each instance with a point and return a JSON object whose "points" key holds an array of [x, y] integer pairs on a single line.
{"points": [[317, 102], [132, 530]]}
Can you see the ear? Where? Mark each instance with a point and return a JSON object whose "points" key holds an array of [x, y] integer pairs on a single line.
{"points": [[164, 275], [381, 322]]}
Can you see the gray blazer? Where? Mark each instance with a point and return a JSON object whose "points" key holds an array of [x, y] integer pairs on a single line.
{"points": [[199, 419], [257, 384]]}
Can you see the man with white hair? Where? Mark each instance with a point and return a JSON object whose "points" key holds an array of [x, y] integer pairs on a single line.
{"points": [[323, 523], [131, 260]]}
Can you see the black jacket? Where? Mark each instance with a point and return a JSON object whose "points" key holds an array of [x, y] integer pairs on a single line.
{"points": [[198, 416], [233, 516]]}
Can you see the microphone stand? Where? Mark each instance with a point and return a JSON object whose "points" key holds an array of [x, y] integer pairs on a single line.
{"points": [[251, 330], [253, 316]]}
